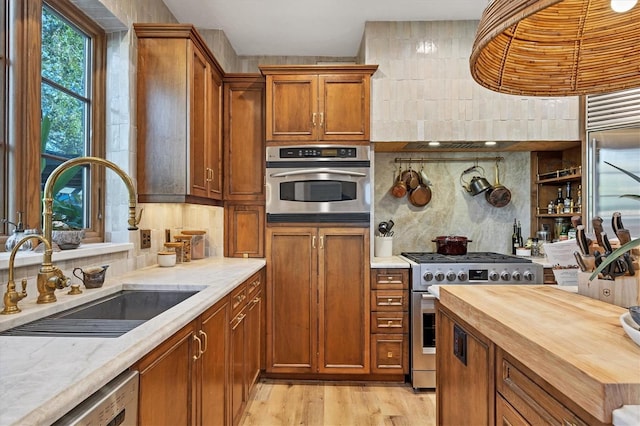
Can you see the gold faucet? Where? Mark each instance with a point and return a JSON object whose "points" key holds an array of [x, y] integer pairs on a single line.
{"points": [[50, 277], [11, 296]]}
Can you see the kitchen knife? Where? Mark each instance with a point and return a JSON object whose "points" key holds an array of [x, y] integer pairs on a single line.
{"points": [[580, 262], [576, 220], [606, 244], [624, 236], [581, 239], [597, 229], [616, 222]]}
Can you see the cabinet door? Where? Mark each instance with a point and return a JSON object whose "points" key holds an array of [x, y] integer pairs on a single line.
{"points": [[343, 107], [292, 113], [291, 300], [463, 373], [343, 288], [166, 382], [198, 138], [244, 139], [253, 340], [214, 367], [244, 233], [213, 140], [237, 377]]}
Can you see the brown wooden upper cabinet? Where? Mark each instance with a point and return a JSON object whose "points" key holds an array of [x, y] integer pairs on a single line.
{"points": [[318, 103], [179, 108]]}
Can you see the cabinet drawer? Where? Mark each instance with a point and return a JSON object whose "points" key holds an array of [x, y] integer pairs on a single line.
{"points": [[507, 415], [389, 322], [238, 299], [529, 399], [389, 354], [254, 284], [389, 300], [389, 279]]}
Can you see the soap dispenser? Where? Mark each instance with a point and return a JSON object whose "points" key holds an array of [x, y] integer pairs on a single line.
{"points": [[18, 234]]}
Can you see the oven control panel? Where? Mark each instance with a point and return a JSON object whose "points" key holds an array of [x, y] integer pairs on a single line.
{"points": [[303, 152], [425, 275]]}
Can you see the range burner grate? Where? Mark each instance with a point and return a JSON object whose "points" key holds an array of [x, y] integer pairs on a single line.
{"points": [[473, 257]]}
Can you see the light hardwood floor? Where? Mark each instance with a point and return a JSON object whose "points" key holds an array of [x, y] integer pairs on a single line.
{"points": [[333, 403]]}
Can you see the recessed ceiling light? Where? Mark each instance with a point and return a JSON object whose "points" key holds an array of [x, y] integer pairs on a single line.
{"points": [[490, 143], [434, 143], [622, 5]]}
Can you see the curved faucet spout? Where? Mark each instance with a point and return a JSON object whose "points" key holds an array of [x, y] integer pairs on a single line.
{"points": [[47, 215]]}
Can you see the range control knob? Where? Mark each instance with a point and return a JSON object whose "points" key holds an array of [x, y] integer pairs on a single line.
{"points": [[528, 275], [493, 276], [451, 276], [505, 276], [439, 276], [462, 276], [428, 276], [516, 275]]}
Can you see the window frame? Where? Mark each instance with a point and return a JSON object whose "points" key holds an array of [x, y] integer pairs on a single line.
{"points": [[24, 77]]}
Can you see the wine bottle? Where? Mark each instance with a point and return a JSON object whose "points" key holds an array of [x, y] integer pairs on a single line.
{"points": [[514, 237], [567, 200], [520, 240], [559, 202], [578, 203]]}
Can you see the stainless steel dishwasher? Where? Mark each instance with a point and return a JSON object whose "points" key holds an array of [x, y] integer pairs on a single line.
{"points": [[115, 404]]}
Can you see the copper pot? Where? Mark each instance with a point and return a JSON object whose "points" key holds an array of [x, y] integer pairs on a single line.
{"points": [[451, 244]]}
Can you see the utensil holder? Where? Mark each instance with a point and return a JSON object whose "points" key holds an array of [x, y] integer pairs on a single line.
{"points": [[383, 246]]}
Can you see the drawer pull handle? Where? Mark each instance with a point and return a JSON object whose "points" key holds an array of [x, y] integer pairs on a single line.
{"points": [[199, 351], [206, 340]]}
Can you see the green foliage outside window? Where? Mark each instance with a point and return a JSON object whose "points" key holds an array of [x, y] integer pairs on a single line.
{"points": [[65, 111]]}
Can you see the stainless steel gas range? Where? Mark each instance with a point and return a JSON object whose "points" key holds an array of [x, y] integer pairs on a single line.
{"points": [[429, 269]]}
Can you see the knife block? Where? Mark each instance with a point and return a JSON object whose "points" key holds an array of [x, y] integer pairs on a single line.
{"points": [[623, 291]]}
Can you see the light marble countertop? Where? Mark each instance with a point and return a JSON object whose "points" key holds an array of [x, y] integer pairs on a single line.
{"points": [[42, 378], [390, 262]]}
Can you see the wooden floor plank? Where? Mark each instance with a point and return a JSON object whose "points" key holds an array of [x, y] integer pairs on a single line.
{"points": [[280, 403]]}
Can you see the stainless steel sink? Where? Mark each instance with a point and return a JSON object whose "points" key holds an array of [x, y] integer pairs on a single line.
{"points": [[110, 316]]}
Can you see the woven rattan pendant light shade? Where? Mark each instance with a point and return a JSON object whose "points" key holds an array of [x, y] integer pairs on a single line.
{"points": [[556, 48]]}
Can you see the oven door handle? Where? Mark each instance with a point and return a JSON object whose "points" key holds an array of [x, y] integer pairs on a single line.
{"points": [[428, 296], [316, 171]]}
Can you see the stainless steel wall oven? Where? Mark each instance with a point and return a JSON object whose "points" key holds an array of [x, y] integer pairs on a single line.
{"points": [[319, 183]]}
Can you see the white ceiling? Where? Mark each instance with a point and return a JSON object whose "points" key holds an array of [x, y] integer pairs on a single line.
{"points": [[310, 28]]}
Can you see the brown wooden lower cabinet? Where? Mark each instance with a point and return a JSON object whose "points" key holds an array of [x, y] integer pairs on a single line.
{"points": [[464, 373], [317, 300], [389, 321], [167, 393], [204, 373]]}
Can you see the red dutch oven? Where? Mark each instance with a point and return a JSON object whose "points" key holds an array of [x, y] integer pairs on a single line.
{"points": [[451, 244]]}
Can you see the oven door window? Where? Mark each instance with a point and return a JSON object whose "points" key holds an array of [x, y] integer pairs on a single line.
{"points": [[428, 330], [318, 191]]}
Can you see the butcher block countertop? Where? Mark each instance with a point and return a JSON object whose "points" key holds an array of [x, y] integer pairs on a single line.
{"points": [[573, 342]]}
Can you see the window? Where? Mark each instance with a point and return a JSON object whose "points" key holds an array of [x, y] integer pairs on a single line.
{"points": [[620, 147], [66, 109], [55, 111]]}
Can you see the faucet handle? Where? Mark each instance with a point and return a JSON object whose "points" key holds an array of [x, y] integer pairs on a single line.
{"points": [[133, 220], [12, 297]]}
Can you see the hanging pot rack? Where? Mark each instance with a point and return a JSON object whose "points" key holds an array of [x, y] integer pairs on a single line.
{"points": [[475, 160]]}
